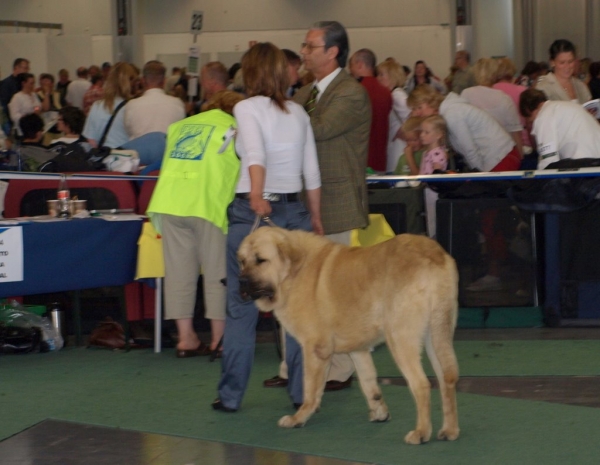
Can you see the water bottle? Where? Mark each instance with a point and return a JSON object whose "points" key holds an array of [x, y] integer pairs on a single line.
{"points": [[63, 195], [57, 317]]}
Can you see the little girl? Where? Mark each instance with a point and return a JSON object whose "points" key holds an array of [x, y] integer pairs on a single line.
{"points": [[433, 138], [410, 160]]}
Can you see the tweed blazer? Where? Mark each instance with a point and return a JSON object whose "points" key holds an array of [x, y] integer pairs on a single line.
{"points": [[341, 123]]}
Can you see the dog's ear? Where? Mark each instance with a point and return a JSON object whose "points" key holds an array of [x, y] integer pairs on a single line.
{"points": [[290, 255]]}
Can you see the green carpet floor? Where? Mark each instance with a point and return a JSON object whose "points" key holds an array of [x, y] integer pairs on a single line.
{"points": [[157, 393]]}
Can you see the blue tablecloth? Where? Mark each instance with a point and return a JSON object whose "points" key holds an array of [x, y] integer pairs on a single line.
{"points": [[76, 254]]}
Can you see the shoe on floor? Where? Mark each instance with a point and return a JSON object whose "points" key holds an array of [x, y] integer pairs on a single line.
{"points": [[486, 283], [218, 405], [275, 381], [201, 351], [334, 385]]}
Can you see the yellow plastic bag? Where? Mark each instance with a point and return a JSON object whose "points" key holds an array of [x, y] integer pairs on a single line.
{"points": [[150, 263], [378, 231]]}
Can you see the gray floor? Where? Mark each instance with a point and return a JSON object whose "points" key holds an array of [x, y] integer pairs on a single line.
{"points": [[55, 442]]}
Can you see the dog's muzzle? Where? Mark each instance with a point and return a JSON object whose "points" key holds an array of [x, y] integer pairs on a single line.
{"points": [[252, 291]]}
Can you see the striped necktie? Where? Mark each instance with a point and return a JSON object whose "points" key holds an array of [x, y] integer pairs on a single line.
{"points": [[311, 103]]}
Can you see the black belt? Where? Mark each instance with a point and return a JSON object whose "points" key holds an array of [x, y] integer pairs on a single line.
{"points": [[272, 197]]}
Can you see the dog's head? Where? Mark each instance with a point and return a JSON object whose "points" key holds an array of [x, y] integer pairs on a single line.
{"points": [[267, 257]]}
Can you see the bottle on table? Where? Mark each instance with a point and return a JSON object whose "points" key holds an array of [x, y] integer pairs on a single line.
{"points": [[64, 197]]}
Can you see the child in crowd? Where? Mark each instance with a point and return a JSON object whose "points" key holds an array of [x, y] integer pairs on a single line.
{"points": [[433, 137], [410, 160]]}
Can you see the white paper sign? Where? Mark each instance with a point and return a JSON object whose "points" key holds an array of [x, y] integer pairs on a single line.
{"points": [[193, 59], [11, 254]]}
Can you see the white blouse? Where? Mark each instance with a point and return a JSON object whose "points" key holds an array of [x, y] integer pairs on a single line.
{"points": [[22, 104], [281, 142]]}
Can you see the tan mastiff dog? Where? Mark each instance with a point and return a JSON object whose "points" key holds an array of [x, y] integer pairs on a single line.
{"points": [[338, 299]]}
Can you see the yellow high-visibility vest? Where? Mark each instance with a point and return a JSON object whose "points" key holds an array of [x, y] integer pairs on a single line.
{"points": [[196, 180]]}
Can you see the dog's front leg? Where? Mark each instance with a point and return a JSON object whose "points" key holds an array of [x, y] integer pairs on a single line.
{"points": [[316, 362]]}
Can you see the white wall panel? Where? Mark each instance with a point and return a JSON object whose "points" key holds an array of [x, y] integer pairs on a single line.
{"points": [[102, 49], [91, 17], [406, 44], [493, 28], [69, 52]]}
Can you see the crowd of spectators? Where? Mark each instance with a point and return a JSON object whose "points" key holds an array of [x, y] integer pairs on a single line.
{"points": [[490, 84]]}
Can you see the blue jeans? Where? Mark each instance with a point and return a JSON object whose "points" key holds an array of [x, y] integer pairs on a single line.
{"points": [[240, 327], [150, 147]]}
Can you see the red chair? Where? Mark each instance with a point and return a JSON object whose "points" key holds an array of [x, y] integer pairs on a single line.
{"points": [[146, 193], [140, 298]]}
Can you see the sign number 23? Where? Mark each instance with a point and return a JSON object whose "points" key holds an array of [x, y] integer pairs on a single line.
{"points": [[197, 17]]}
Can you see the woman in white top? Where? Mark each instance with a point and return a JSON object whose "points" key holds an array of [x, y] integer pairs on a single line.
{"points": [[117, 89], [391, 75], [278, 157], [560, 83], [25, 101], [423, 75], [493, 101]]}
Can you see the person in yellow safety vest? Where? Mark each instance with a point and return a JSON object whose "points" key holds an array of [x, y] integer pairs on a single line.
{"points": [[188, 208]]}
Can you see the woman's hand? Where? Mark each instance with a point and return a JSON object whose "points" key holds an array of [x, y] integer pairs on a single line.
{"points": [[259, 205]]}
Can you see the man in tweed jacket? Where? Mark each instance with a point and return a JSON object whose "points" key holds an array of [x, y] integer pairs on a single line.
{"points": [[341, 121]]}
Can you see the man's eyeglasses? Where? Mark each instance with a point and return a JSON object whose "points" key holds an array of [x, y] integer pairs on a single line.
{"points": [[309, 47]]}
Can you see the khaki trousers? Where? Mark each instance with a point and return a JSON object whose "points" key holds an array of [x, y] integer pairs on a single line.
{"points": [[192, 245]]}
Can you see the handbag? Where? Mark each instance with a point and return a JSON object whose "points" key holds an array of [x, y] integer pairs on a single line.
{"points": [[98, 154], [108, 334]]}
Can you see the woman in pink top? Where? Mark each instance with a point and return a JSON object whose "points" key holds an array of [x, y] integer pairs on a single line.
{"points": [[505, 78]]}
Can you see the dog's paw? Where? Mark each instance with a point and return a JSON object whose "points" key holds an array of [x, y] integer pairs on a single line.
{"points": [[417, 437], [448, 434], [380, 414], [289, 421]]}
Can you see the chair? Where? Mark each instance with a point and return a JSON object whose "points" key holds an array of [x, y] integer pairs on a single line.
{"points": [[146, 190]]}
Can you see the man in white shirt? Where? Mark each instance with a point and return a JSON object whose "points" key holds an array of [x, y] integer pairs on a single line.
{"points": [[77, 88], [562, 129], [154, 111]]}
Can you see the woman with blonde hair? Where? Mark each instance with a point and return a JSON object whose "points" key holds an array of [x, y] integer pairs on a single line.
{"points": [[505, 82], [278, 156], [493, 101], [472, 132], [117, 90], [391, 75]]}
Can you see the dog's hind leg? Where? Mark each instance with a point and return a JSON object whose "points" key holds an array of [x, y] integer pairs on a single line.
{"points": [[443, 360], [316, 364], [367, 376], [406, 346]]}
